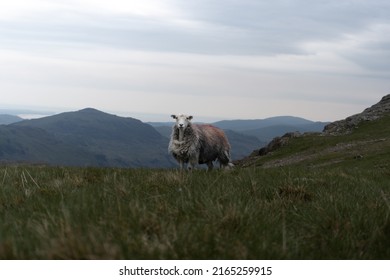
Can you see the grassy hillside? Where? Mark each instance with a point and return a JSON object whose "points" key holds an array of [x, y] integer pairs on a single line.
{"points": [[34, 145], [368, 146], [252, 213], [319, 197]]}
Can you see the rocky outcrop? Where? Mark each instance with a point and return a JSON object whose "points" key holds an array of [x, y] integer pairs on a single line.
{"points": [[275, 144], [349, 124]]}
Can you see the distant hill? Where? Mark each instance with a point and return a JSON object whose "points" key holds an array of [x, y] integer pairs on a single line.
{"points": [[104, 140], [267, 133], [242, 144], [266, 129], [164, 130], [37, 146], [8, 119], [243, 125]]}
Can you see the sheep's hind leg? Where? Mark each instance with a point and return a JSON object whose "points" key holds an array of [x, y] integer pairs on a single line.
{"points": [[210, 166], [225, 161]]}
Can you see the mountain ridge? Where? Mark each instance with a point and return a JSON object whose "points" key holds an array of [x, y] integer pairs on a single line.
{"points": [[242, 124], [106, 139], [9, 119]]}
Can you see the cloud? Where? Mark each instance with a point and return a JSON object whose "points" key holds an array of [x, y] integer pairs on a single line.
{"points": [[210, 27], [280, 27], [248, 58], [367, 48]]}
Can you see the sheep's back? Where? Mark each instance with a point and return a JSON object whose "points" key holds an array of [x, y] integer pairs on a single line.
{"points": [[213, 142]]}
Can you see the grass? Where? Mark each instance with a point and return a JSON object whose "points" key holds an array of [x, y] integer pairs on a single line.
{"points": [[319, 197], [252, 213]]}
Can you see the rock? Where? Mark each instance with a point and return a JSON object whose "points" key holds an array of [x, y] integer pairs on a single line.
{"points": [[276, 143], [349, 124]]}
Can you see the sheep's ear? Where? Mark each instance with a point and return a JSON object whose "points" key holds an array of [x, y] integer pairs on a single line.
{"points": [[174, 116], [189, 118]]}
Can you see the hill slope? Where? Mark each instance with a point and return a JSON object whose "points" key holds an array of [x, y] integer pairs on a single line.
{"points": [[266, 134], [111, 140], [376, 111], [242, 125], [266, 129], [8, 119], [246, 213], [37, 146], [242, 144]]}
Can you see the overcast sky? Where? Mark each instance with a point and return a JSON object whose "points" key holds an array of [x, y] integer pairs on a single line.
{"points": [[215, 59]]}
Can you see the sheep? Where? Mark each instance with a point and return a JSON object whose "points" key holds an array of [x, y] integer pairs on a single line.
{"points": [[194, 144]]}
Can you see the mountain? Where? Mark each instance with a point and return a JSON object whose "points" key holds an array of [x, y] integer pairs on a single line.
{"points": [[245, 125], [359, 140], [266, 129], [104, 139], [37, 146], [164, 130], [242, 144], [160, 124], [8, 119], [266, 134]]}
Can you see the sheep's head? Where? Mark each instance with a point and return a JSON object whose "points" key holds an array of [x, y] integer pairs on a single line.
{"points": [[182, 121]]}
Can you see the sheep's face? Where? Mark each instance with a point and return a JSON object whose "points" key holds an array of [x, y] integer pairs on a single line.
{"points": [[182, 121]]}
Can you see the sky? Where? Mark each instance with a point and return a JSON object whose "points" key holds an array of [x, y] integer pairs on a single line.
{"points": [[322, 60]]}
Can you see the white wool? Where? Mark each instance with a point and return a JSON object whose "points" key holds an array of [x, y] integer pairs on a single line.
{"points": [[196, 144]]}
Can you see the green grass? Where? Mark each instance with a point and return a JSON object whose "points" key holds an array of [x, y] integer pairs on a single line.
{"points": [[252, 213], [320, 197]]}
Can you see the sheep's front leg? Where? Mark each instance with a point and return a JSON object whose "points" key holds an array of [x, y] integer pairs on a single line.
{"points": [[193, 162], [181, 163], [210, 166]]}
